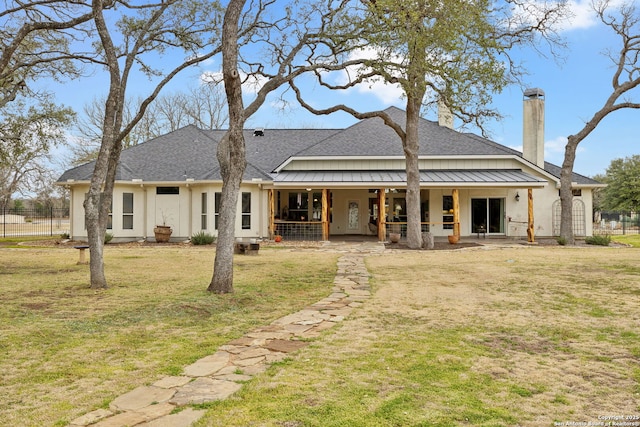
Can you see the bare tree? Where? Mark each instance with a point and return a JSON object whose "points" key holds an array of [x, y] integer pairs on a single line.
{"points": [[145, 29], [454, 52], [294, 44], [92, 118], [204, 107], [34, 42], [26, 139], [624, 20]]}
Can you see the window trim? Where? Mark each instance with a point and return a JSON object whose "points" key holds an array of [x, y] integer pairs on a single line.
{"points": [[127, 216]]}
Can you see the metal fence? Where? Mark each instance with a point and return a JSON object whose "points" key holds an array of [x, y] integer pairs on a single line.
{"points": [[297, 230], [607, 222], [34, 222]]}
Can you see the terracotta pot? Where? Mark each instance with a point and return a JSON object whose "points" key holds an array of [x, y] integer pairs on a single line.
{"points": [[394, 237], [278, 239], [453, 239], [162, 233]]}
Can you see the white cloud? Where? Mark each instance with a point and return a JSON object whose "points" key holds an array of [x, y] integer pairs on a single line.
{"points": [[388, 94], [580, 14], [553, 149], [554, 146], [583, 16], [211, 77]]}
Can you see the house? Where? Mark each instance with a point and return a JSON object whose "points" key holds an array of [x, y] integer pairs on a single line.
{"points": [[319, 184]]}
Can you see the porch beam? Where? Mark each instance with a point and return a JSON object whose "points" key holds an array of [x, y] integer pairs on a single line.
{"points": [[272, 209], [382, 232], [530, 236], [324, 215], [456, 212]]}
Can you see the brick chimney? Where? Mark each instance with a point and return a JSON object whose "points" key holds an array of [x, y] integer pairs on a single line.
{"points": [[533, 126]]}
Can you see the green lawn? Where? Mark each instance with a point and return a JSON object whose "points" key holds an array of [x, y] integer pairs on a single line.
{"points": [[66, 349], [528, 336], [629, 239], [503, 337]]}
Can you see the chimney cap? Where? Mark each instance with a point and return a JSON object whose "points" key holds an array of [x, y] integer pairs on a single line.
{"points": [[534, 93]]}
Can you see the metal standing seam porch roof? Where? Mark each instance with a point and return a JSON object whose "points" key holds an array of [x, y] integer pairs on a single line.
{"points": [[398, 178]]}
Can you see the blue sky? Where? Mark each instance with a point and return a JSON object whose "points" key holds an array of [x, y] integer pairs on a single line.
{"points": [[575, 88]]}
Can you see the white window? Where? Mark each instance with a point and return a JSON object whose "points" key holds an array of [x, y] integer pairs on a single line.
{"points": [[246, 211], [127, 211], [203, 211]]}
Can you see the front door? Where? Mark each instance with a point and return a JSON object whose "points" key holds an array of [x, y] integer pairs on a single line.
{"points": [[168, 208], [489, 214]]}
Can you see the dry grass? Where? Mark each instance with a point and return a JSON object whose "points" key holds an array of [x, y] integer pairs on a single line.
{"points": [[66, 349], [485, 337]]}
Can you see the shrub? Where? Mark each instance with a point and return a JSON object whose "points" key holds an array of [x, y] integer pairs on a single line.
{"points": [[202, 238], [561, 241], [107, 237], [600, 240], [64, 235]]}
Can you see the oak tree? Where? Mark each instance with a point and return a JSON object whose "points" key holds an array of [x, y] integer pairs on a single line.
{"points": [[289, 44], [454, 53], [145, 31], [624, 21]]}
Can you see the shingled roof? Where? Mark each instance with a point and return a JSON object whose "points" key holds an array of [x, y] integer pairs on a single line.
{"points": [[190, 152]]}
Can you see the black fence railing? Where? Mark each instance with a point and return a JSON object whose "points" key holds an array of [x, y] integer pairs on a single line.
{"points": [[608, 222], [34, 222], [312, 230]]}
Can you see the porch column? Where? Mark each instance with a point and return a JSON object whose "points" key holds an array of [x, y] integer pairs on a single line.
{"points": [[325, 214], [530, 236], [272, 208], [382, 232], [456, 212]]}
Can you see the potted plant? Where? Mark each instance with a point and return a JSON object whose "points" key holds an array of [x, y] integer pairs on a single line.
{"points": [[394, 233], [163, 232]]}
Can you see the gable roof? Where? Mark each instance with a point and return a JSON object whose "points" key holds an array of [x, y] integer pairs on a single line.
{"points": [[190, 152], [374, 138]]}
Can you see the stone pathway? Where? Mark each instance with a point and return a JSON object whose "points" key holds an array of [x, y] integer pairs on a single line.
{"points": [[219, 375]]}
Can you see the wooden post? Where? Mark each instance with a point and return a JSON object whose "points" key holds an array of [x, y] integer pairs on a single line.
{"points": [[325, 214], [382, 232], [272, 209], [456, 212], [530, 236]]}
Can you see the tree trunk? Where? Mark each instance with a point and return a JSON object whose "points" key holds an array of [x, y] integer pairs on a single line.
{"points": [[95, 235], [97, 205], [566, 191], [101, 188], [411, 150], [231, 153], [232, 168]]}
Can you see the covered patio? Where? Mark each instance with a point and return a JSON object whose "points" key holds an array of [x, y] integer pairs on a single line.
{"points": [[303, 205]]}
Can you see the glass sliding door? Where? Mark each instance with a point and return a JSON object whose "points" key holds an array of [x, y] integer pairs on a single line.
{"points": [[496, 216], [488, 214]]}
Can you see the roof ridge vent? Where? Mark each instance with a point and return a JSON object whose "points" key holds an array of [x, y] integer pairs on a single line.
{"points": [[258, 132]]}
